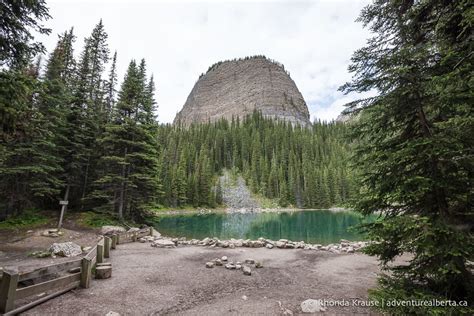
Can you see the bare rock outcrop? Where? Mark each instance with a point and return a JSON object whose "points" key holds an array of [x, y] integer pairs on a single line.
{"points": [[236, 88]]}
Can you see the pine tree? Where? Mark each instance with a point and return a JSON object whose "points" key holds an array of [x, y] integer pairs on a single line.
{"points": [[414, 153], [110, 90], [20, 19], [131, 182], [28, 163]]}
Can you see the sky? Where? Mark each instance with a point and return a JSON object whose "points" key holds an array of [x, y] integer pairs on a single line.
{"points": [[180, 39]]}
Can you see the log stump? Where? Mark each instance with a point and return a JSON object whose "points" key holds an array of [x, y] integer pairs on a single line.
{"points": [[103, 272]]}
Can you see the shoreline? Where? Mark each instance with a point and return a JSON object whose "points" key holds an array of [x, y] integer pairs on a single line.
{"points": [[204, 211]]}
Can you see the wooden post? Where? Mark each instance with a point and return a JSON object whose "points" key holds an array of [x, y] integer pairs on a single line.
{"points": [[107, 241], [114, 241], [100, 253], [86, 272], [8, 291], [118, 239], [151, 231]]}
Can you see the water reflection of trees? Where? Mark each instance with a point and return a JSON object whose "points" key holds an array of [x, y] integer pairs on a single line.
{"points": [[311, 226]]}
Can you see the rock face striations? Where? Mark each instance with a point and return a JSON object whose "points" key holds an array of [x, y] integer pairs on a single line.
{"points": [[236, 88]]}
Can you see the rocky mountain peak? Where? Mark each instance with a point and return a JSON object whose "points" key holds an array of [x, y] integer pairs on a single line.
{"points": [[235, 88]]}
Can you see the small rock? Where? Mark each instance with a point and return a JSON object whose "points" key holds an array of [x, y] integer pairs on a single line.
{"points": [[249, 261], [230, 266], [133, 229], [209, 264], [218, 262], [258, 265], [224, 258], [238, 266], [163, 243], [112, 313], [312, 306], [29, 232], [269, 246], [246, 270], [244, 297]]}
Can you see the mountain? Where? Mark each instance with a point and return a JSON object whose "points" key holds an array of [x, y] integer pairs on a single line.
{"points": [[236, 88]]}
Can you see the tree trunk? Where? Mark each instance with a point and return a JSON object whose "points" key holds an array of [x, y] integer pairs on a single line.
{"points": [[86, 176], [122, 188]]}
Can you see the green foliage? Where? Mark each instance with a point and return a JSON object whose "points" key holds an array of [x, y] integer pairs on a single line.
{"points": [[129, 166], [95, 219], [303, 167], [19, 19], [27, 219], [415, 142]]}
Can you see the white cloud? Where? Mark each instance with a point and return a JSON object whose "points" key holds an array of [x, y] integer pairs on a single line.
{"points": [[181, 39]]}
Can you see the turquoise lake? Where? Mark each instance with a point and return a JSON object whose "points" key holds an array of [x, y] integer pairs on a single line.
{"points": [[312, 226]]}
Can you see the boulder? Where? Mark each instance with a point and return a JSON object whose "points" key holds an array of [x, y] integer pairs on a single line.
{"points": [[133, 229], [280, 244], [110, 230], [256, 244], [269, 246], [65, 249], [312, 306], [163, 243]]}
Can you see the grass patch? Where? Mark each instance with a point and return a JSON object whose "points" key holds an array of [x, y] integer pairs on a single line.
{"points": [[28, 219], [95, 220], [265, 202]]}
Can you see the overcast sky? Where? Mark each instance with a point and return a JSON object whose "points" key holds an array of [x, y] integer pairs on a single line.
{"points": [[181, 39]]}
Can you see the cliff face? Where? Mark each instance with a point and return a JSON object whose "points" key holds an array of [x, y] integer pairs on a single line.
{"points": [[237, 88]]}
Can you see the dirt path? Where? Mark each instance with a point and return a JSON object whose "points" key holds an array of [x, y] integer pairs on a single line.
{"points": [[151, 281], [15, 246]]}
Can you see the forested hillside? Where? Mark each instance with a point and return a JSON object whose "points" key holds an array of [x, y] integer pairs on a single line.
{"points": [[304, 167], [69, 133]]}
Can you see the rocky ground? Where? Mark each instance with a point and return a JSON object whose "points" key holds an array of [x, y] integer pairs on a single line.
{"points": [[155, 281]]}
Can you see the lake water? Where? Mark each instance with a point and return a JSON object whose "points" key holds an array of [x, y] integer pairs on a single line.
{"points": [[318, 226]]}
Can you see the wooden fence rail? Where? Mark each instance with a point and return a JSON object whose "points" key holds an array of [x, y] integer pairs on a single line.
{"points": [[73, 274]]}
